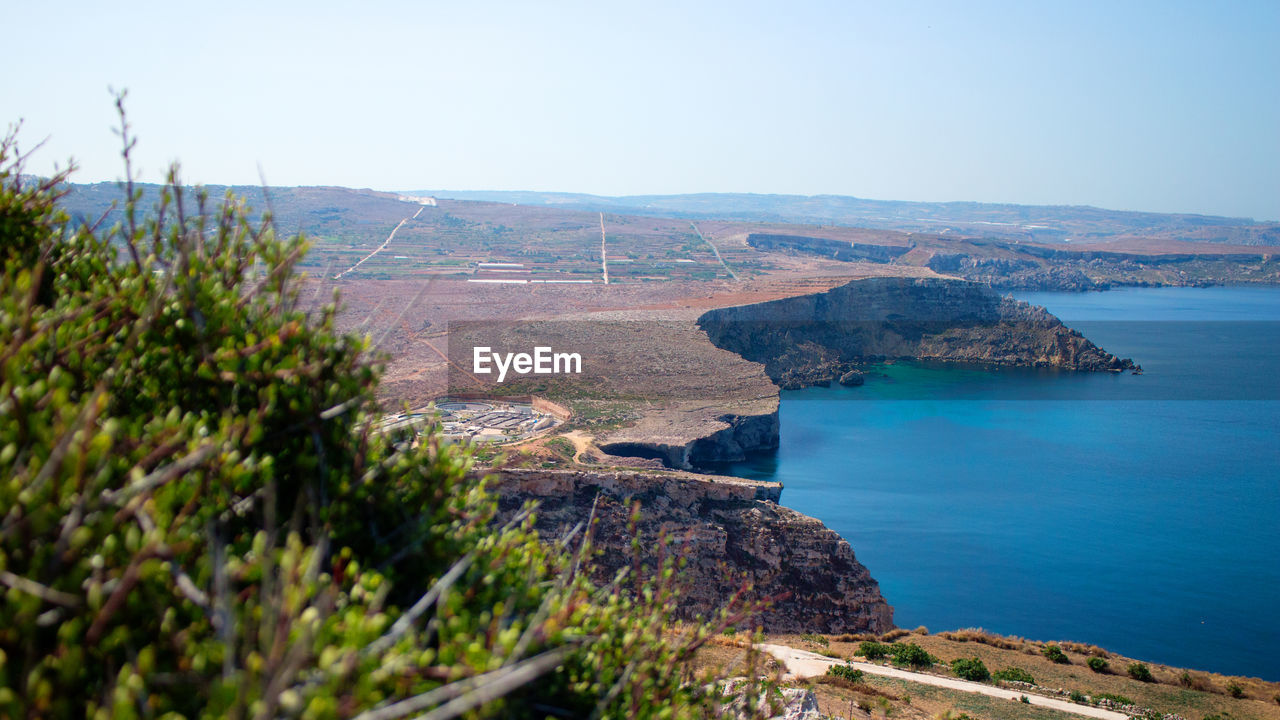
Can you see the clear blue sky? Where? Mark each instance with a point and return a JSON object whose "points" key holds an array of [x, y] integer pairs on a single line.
{"points": [[1164, 106]]}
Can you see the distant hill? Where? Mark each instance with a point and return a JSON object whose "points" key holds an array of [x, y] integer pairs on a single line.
{"points": [[556, 237], [1038, 223]]}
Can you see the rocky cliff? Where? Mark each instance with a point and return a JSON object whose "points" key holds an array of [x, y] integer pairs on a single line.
{"points": [[846, 250], [733, 437], [733, 533], [1030, 267], [814, 338]]}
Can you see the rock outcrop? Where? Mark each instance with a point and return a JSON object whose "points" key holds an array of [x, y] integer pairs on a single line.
{"points": [[733, 533], [731, 441], [1077, 269], [812, 339], [853, 378], [827, 247]]}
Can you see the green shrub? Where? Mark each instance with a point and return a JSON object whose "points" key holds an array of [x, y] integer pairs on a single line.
{"points": [[1234, 690], [1139, 671], [1014, 674], [970, 669], [1097, 664], [1076, 696], [911, 654], [200, 521], [815, 639], [1055, 654], [561, 446], [847, 672], [872, 650], [1113, 698]]}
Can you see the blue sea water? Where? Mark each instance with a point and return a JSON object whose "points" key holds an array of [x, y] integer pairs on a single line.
{"points": [[1136, 512]]}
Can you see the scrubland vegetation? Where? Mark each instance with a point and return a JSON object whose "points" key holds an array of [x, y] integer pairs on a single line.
{"points": [[1091, 676], [199, 522]]}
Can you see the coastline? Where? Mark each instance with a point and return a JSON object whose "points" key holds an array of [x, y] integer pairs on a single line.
{"points": [[1132, 520]]}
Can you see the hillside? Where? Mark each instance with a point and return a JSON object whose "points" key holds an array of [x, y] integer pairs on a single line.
{"points": [[1040, 223]]}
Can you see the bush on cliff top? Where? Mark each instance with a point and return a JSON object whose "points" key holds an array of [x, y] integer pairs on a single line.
{"points": [[911, 654], [1055, 654], [1014, 674], [198, 521], [1140, 671], [970, 669], [847, 672], [872, 650]]}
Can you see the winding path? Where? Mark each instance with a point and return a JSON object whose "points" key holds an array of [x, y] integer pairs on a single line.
{"points": [[802, 664]]}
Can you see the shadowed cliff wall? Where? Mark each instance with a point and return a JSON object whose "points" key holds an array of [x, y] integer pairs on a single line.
{"points": [[733, 533]]}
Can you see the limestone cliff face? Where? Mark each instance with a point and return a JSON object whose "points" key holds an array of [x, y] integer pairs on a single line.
{"points": [[734, 533], [810, 339], [730, 439]]}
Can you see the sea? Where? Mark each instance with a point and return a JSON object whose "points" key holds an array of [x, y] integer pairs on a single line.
{"points": [[1138, 512]]}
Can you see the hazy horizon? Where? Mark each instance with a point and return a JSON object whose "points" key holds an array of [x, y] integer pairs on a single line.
{"points": [[1146, 107]]}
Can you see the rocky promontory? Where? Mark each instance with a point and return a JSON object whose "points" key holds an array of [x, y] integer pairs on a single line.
{"points": [[732, 532], [816, 338]]}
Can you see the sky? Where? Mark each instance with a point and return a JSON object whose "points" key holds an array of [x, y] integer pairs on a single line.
{"points": [[1159, 106]]}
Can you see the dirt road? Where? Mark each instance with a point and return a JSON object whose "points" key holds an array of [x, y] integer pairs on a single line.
{"points": [[604, 260], [381, 247], [715, 250], [802, 664]]}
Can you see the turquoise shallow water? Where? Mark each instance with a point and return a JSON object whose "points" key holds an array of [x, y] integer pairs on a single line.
{"points": [[1140, 513]]}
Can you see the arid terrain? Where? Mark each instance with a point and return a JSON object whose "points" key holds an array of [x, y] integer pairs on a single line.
{"points": [[1170, 691], [686, 328], [632, 293]]}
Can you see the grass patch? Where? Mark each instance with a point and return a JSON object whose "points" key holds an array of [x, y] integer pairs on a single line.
{"points": [[979, 635], [860, 687], [815, 639]]}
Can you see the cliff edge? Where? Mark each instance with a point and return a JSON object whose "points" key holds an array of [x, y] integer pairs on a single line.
{"points": [[733, 533]]}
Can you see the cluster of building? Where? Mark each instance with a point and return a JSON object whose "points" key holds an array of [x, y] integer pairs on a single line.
{"points": [[478, 421]]}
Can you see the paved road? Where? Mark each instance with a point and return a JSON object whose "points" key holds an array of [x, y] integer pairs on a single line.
{"points": [[802, 664]]}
